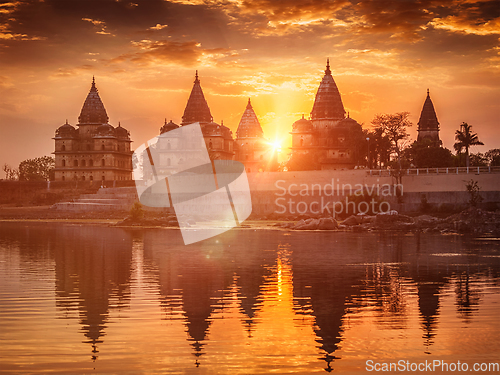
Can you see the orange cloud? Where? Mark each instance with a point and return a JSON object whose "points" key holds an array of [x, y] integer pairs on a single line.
{"points": [[99, 24]]}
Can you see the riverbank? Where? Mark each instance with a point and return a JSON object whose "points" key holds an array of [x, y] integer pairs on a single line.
{"points": [[471, 221]]}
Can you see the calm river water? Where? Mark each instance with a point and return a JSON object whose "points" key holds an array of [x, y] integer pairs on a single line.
{"points": [[90, 299]]}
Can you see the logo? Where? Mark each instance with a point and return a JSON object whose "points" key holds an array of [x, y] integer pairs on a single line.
{"points": [[175, 170]]}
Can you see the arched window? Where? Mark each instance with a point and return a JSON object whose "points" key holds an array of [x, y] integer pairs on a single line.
{"points": [[83, 163], [75, 163], [88, 147], [168, 146], [91, 178], [64, 163], [210, 145], [63, 178], [168, 161], [103, 178], [83, 178], [103, 162], [103, 147], [63, 147], [301, 142], [91, 163]]}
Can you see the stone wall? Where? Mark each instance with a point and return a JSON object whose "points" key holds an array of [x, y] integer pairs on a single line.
{"points": [[312, 191], [50, 192]]}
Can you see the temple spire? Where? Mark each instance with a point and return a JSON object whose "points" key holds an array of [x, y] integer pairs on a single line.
{"points": [[328, 71], [197, 109], [249, 126], [328, 103], [93, 111], [428, 124]]}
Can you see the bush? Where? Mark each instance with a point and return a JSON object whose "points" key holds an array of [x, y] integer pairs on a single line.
{"points": [[473, 189], [136, 212]]}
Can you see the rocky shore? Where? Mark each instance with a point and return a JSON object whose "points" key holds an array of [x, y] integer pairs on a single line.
{"points": [[472, 221]]}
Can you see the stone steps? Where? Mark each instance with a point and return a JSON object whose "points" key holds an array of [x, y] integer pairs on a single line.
{"points": [[115, 201], [79, 206], [106, 199]]}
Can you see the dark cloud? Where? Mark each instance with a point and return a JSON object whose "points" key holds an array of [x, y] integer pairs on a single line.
{"points": [[286, 10], [185, 53]]}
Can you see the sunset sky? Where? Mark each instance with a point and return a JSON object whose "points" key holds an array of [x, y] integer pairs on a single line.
{"points": [[383, 56]]}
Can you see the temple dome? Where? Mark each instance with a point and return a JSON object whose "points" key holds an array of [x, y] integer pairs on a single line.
{"points": [[93, 111], [328, 103], [302, 126], [105, 130], [168, 126], [197, 109], [122, 132], [348, 122], [66, 131], [249, 126], [214, 129]]}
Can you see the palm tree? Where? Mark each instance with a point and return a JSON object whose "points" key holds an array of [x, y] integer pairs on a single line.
{"points": [[465, 138]]}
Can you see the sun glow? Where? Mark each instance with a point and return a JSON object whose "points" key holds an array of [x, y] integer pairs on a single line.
{"points": [[276, 146]]}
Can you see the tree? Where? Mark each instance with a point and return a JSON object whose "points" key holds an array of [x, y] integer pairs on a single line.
{"points": [[394, 127], [465, 138], [10, 173], [478, 160], [493, 157], [380, 149], [426, 154], [38, 169]]}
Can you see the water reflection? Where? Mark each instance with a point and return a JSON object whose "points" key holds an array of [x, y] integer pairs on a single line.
{"points": [[196, 281], [93, 269], [325, 291]]}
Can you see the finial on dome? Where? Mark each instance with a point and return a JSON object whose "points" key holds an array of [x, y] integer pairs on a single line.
{"points": [[67, 122], [165, 121], [428, 92], [249, 105], [348, 115], [328, 71], [222, 122], [196, 80], [119, 124], [302, 116]]}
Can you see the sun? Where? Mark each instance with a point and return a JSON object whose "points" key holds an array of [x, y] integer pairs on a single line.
{"points": [[276, 146]]}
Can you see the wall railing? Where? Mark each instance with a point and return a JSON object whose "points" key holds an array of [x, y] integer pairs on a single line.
{"points": [[433, 171]]}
